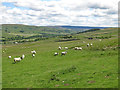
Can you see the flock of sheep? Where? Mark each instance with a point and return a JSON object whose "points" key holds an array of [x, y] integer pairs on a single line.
{"points": [[55, 54], [65, 52], [22, 57]]}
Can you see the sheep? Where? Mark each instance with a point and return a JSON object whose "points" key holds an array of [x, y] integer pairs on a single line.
{"points": [[17, 59], [88, 45], [9, 57], [66, 48], [56, 53], [59, 48], [23, 56], [63, 53], [79, 48], [33, 52], [16, 42], [76, 48], [91, 44], [33, 55]]}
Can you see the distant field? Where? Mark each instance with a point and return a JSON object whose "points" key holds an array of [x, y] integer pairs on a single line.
{"points": [[93, 67]]}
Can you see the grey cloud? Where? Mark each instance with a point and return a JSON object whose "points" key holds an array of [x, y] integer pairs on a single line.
{"points": [[97, 6], [82, 16], [36, 9], [112, 12]]}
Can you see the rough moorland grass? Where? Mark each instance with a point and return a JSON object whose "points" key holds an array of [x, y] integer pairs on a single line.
{"points": [[93, 67]]}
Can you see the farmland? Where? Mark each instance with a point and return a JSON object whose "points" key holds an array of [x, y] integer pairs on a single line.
{"points": [[92, 67]]}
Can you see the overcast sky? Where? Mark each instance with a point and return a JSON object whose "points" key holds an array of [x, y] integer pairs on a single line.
{"points": [[59, 12]]}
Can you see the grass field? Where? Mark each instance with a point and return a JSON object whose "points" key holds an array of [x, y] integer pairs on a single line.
{"points": [[93, 67]]}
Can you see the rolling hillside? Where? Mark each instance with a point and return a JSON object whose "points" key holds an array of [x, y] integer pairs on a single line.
{"points": [[93, 67], [23, 33]]}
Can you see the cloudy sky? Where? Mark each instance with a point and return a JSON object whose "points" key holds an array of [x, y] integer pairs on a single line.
{"points": [[59, 12]]}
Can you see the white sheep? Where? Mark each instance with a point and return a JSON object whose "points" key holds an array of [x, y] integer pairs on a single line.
{"points": [[91, 44], [33, 55], [76, 48], [79, 48], [66, 48], [17, 59], [56, 53], [16, 42], [59, 48], [23, 56], [63, 53], [9, 57], [33, 52], [88, 45]]}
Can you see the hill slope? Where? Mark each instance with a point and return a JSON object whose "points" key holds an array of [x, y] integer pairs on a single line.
{"points": [[24, 33], [93, 67]]}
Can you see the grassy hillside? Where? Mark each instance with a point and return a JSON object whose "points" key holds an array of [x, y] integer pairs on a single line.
{"points": [[25, 30], [24, 33], [93, 67]]}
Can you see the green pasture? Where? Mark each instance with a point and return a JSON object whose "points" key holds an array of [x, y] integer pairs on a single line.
{"points": [[92, 67]]}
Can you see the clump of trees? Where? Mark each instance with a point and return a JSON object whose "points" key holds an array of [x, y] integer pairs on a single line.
{"points": [[90, 30], [67, 36], [103, 37]]}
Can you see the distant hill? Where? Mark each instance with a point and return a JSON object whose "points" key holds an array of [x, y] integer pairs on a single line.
{"points": [[23, 33], [18, 28]]}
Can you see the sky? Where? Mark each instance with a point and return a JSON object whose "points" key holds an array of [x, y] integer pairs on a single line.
{"points": [[100, 13]]}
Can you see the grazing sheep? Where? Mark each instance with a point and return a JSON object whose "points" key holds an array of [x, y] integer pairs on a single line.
{"points": [[17, 59], [91, 44], [23, 56], [66, 48], [56, 53], [88, 45], [79, 48], [9, 57], [59, 48], [76, 48], [100, 40], [63, 53], [33, 55], [33, 52]]}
